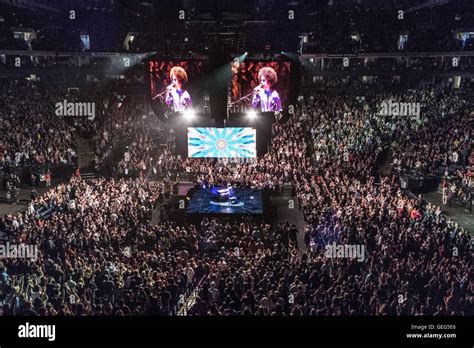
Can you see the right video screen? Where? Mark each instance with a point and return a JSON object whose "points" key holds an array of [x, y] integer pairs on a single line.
{"points": [[260, 85]]}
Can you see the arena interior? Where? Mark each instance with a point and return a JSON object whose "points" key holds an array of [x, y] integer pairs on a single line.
{"points": [[267, 158]]}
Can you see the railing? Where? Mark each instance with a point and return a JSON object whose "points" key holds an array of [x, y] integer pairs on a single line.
{"points": [[187, 299]]}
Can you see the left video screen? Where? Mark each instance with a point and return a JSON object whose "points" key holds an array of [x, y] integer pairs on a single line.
{"points": [[178, 85]]}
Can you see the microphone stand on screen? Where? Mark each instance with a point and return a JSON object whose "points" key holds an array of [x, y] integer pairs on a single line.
{"points": [[163, 93], [245, 97]]}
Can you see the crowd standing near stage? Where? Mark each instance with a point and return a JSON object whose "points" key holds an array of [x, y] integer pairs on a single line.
{"points": [[100, 253], [438, 144], [128, 129]]}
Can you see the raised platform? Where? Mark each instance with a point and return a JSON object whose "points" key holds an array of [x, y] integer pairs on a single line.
{"points": [[247, 201]]}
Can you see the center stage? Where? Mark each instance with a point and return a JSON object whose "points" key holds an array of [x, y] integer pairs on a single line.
{"points": [[217, 201]]}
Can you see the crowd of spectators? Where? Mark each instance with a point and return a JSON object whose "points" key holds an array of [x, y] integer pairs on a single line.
{"points": [[437, 146], [360, 29], [129, 139], [350, 28], [348, 85], [408, 248], [395, 64], [457, 188], [108, 246], [30, 131], [100, 253]]}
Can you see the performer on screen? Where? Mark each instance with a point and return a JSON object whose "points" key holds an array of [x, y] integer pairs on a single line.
{"points": [[177, 97], [265, 93], [224, 195]]}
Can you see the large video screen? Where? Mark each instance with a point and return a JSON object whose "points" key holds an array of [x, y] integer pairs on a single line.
{"points": [[263, 86], [222, 142], [178, 84], [226, 200]]}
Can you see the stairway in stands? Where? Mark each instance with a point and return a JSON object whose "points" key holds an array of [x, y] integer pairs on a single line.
{"points": [[471, 156], [387, 165], [188, 302], [150, 174], [85, 157], [287, 190], [288, 209]]}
